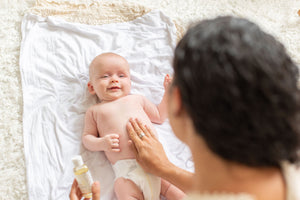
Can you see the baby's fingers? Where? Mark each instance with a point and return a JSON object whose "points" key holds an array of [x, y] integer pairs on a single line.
{"points": [[114, 136], [168, 78], [115, 141], [115, 145], [167, 81], [116, 150]]}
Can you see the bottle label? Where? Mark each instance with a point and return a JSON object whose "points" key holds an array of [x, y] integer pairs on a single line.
{"points": [[85, 182]]}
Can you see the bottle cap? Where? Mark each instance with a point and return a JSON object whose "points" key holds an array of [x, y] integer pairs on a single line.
{"points": [[77, 161]]}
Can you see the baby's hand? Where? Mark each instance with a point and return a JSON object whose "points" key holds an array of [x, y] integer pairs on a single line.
{"points": [[167, 81], [111, 142]]}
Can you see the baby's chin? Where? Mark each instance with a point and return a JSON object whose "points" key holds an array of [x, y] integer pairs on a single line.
{"points": [[112, 98]]}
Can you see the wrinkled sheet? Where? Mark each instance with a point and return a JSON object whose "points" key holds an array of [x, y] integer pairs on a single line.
{"points": [[54, 61]]}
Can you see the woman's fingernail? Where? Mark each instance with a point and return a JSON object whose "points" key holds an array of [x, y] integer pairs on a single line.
{"points": [[97, 184]]}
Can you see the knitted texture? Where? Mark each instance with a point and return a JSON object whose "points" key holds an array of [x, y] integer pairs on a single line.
{"points": [[277, 17]]}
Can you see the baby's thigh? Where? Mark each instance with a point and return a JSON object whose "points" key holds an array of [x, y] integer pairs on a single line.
{"points": [[126, 189]]}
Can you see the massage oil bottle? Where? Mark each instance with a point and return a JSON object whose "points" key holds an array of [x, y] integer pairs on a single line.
{"points": [[83, 176]]}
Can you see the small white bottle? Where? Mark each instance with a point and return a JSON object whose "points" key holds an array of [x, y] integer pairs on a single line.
{"points": [[83, 176]]}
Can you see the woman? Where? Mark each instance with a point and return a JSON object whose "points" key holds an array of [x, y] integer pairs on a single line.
{"points": [[234, 101]]}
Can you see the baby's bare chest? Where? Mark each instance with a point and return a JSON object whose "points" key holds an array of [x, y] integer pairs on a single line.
{"points": [[118, 111], [113, 117]]}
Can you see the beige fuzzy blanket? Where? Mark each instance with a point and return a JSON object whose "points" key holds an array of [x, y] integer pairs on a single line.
{"points": [[277, 17]]}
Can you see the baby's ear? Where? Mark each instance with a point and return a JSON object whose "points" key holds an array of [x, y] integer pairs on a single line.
{"points": [[91, 88]]}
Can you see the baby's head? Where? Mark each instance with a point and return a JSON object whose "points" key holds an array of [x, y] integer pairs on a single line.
{"points": [[109, 77]]}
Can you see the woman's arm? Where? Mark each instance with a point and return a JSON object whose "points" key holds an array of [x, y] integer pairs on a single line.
{"points": [[177, 176], [151, 156]]}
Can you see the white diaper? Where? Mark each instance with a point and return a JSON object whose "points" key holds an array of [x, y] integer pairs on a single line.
{"points": [[148, 183]]}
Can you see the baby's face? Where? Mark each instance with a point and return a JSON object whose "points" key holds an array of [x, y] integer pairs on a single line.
{"points": [[110, 77]]}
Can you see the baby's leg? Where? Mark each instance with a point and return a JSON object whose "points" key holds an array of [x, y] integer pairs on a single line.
{"points": [[170, 191], [125, 189]]}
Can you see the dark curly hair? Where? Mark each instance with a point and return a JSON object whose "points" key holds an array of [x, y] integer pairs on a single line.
{"points": [[240, 88]]}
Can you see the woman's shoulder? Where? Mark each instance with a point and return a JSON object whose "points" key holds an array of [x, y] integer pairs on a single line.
{"points": [[218, 196], [291, 173]]}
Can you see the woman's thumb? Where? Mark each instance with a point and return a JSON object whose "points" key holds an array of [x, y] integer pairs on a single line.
{"points": [[96, 190]]}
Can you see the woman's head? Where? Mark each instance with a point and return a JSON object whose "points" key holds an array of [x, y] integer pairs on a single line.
{"points": [[239, 87]]}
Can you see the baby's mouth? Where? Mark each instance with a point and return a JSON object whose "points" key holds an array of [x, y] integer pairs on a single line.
{"points": [[114, 88]]}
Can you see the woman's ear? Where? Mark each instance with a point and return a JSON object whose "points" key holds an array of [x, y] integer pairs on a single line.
{"points": [[91, 88], [175, 101]]}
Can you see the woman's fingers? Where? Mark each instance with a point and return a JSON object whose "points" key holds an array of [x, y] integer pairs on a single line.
{"points": [[133, 135], [139, 127], [149, 151], [75, 193], [136, 127], [133, 148], [96, 190], [149, 130], [142, 127]]}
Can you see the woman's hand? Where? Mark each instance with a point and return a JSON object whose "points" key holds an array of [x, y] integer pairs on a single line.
{"points": [[149, 151], [76, 194]]}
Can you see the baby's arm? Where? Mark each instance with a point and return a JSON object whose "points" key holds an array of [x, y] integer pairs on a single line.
{"points": [[158, 114], [92, 142]]}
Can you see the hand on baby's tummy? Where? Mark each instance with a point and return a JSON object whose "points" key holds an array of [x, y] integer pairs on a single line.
{"points": [[112, 143], [167, 81]]}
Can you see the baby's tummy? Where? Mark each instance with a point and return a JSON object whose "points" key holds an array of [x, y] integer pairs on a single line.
{"points": [[125, 153], [118, 126]]}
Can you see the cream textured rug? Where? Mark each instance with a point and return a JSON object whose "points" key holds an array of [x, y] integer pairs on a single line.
{"points": [[275, 16]]}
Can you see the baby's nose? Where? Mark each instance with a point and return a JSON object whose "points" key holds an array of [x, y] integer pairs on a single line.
{"points": [[114, 80]]}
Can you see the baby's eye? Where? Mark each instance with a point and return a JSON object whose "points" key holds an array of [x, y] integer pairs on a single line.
{"points": [[104, 76], [121, 75]]}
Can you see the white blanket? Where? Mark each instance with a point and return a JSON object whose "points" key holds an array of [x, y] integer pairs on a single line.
{"points": [[54, 61]]}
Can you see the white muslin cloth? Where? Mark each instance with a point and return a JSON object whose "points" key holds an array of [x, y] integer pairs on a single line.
{"points": [[54, 63]]}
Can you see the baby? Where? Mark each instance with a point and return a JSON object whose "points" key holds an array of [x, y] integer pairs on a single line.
{"points": [[105, 128]]}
